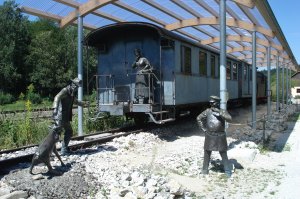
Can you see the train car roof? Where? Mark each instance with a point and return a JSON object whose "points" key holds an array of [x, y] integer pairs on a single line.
{"points": [[102, 34]]}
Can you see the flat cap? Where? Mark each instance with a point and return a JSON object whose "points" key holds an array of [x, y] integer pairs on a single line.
{"points": [[76, 81], [214, 98]]}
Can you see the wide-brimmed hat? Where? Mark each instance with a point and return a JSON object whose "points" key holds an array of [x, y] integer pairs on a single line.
{"points": [[214, 98], [77, 81]]}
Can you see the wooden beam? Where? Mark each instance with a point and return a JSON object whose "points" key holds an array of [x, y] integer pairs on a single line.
{"points": [[98, 13], [262, 42], [265, 10], [40, 13], [247, 3], [192, 22], [249, 26], [215, 21], [260, 56], [187, 8], [83, 10], [249, 48], [162, 9], [138, 12], [50, 16], [92, 5]]}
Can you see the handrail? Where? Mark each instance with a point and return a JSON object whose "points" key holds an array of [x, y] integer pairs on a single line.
{"points": [[110, 84]]}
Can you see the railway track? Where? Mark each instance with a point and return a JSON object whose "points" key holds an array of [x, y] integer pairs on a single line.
{"points": [[79, 142], [38, 113], [82, 142]]}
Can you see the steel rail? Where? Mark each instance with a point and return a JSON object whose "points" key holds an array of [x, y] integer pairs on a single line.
{"points": [[7, 163]]}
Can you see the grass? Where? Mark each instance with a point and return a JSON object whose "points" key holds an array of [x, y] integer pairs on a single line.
{"points": [[21, 105], [28, 130]]}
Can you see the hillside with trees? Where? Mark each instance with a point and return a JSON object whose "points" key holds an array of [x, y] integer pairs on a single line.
{"points": [[273, 82], [36, 53]]}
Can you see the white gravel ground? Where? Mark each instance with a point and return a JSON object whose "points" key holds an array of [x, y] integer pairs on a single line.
{"points": [[166, 162]]}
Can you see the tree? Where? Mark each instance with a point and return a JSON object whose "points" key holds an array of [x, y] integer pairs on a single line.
{"points": [[52, 56], [14, 41]]}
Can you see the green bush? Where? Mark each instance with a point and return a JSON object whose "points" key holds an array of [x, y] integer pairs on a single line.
{"points": [[35, 98], [16, 132], [6, 98]]}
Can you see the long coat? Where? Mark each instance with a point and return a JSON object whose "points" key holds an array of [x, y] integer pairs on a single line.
{"points": [[142, 86], [212, 122]]}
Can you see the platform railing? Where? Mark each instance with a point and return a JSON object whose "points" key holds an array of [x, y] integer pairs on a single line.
{"points": [[111, 93]]}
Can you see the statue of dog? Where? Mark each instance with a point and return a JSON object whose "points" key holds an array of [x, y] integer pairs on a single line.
{"points": [[45, 149]]}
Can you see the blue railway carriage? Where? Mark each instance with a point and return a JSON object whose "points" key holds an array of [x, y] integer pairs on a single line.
{"points": [[184, 73]]}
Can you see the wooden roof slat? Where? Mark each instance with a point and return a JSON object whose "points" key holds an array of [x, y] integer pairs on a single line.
{"points": [[40, 13], [265, 10], [259, 41], [241, 27], [75, 4], [162, 9], [138, 12], [252, 18], [168, 12], [83, 10], [50, 16], [187, 8], [247, 3], [215, 21], [206, 7]]}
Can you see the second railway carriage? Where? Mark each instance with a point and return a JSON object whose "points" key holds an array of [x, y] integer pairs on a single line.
{"points": [[184, 73]]}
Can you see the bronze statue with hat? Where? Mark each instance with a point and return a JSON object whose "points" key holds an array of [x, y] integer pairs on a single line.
{"points": [[62, 111], [212, 122]]}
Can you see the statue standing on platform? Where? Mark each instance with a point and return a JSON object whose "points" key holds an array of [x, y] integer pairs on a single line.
{"points": [[142, 84]]}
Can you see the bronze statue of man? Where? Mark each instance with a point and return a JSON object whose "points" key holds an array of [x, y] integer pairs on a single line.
{"points": [[62, 113], [142, 86], [212, 122]]}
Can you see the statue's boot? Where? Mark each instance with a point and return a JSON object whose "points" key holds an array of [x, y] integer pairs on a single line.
{"points": [[64, 147], [207, 155], [227, 165], [67, 137]]}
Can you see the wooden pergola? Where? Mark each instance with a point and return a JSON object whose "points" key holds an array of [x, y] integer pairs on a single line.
{"points": [[195, 19], [244, 29]]}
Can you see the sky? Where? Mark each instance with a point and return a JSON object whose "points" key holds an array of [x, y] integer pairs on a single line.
{"points": [[287, 15]]}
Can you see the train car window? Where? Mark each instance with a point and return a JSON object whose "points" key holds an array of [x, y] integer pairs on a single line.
{"points": [[213, 65], [298, 90], [245, 72], [186, 60], [234, 71], [167, 43], [228, 70], [202, 63]]}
